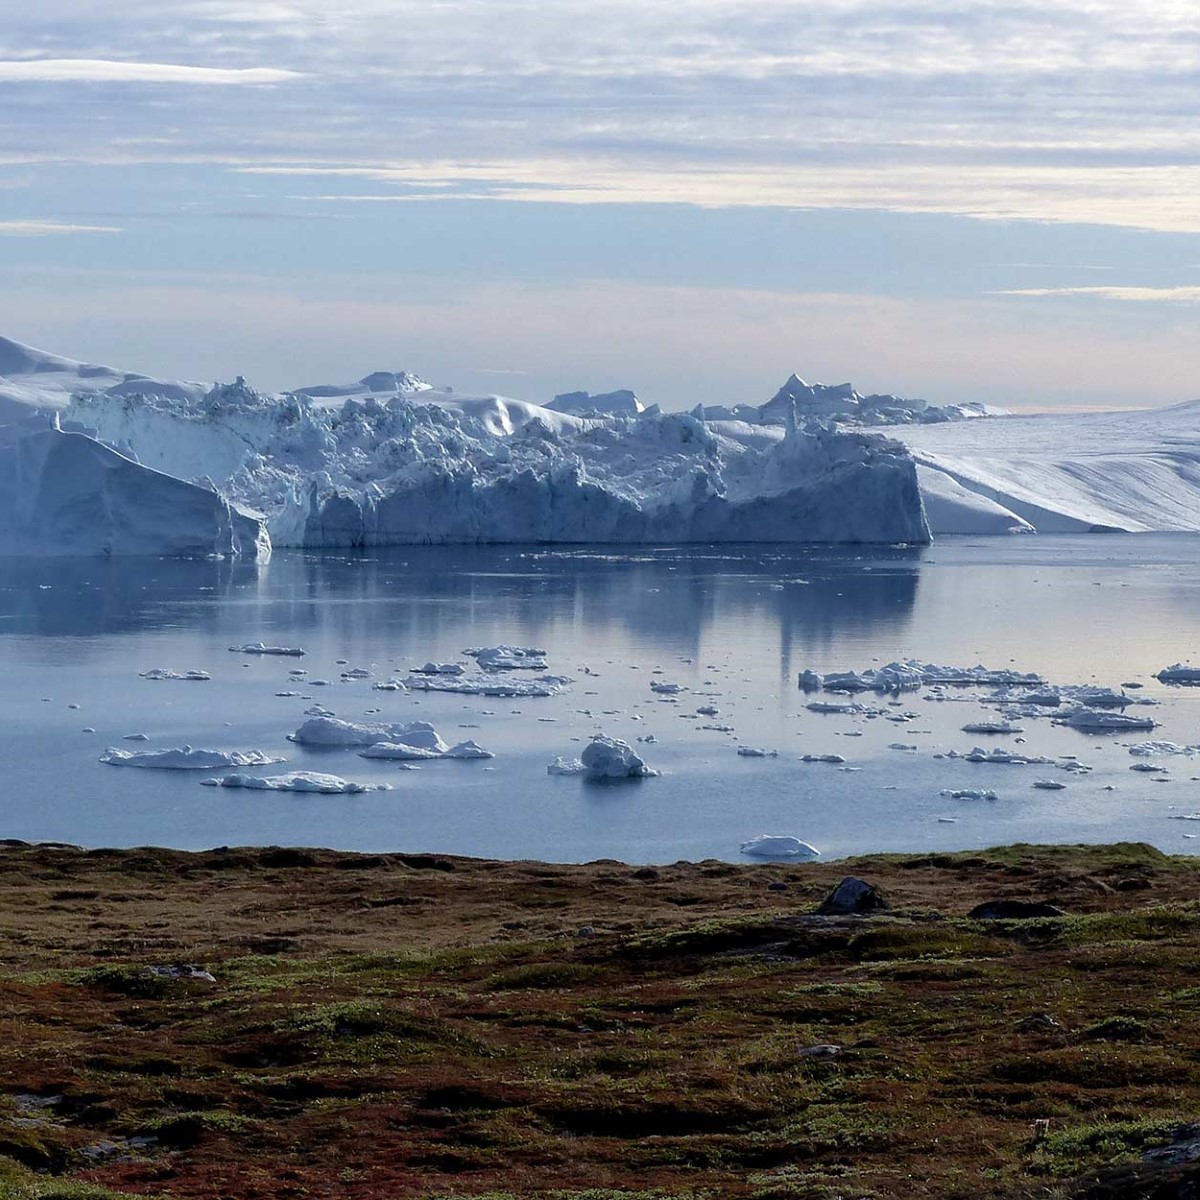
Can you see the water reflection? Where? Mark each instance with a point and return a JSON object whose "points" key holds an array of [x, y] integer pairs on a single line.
{"points": [[679, 599]]}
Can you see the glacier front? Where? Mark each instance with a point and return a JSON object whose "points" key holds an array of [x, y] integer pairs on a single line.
{"points": [[419, 467]]}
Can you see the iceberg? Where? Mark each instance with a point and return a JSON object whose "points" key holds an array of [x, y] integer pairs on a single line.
{"points": [[185, 758], [777, 845], [331, 731], [296, 781], [65, 494], [606, 759]]}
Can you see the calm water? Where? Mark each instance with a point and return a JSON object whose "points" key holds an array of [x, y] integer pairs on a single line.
{"points": [[732, 626]]}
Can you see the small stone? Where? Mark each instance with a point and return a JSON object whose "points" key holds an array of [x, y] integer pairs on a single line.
{"points": [[586, 931], [777, 886], [1133, 885]]}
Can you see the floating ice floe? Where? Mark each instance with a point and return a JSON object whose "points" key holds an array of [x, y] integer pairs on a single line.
{"points": [[1149, 749], [708, 710], [992, 727], [508, 658], [185, 758], [166, 673], [331, 731], [665, 689], [756, 752], [355, 673], [486, 685], [389, 685], [297, 781], [606, 758], [397, 752], [468, 751], [1097, 719], [1148, 768], [1049, 785], [1179, 673], [968, 794], [778, 845], [136, 737], [260, 648], [822, 758], [566, 766], [912, 674], [436, 668], [999, 755], [836, 708]]}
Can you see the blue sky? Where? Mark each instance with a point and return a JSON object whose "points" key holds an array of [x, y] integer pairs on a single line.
{"points": [[982, 200]]}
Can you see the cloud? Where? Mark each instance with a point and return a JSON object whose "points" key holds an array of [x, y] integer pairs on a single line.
{"points": [[50, 228], [1182, 294], [98, 70]]}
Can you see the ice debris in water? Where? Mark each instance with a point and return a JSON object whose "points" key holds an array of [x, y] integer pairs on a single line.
{"points": [[606, 759], [488, 685], [1099, 719], [778, 845], [968, 794], [1149, 749], [992, 727], [297, 781], [835, 707], [1179, 673], [756, 752], [436, 668], [822, 758], [400, 752], [331, 731], [166, 673], [508, 658], [911, 674], [998, 755], [665, 689], [260, 648], [1049, 785], [566, 766], [185, 758]]}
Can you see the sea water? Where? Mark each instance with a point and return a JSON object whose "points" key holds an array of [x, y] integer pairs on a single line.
{"points": [[732, 626]]}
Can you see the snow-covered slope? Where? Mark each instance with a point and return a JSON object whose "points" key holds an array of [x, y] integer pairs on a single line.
{"points": [[32, 381], [66, 494], [444, 468], [1075, 472]]}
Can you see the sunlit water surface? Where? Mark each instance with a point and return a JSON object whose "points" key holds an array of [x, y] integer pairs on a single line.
{"points": [[733, 626]]}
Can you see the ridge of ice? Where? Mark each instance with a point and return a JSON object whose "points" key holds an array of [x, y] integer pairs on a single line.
{"points": [[185, 758], [778, 845], [297, 781]]}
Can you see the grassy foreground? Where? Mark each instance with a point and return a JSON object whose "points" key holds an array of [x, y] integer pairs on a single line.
{"points": [[409, 1026]]}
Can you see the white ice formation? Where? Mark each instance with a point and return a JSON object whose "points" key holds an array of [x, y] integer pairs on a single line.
{"points": [[607, 759], [332, 731], [778, 845], [185, 758], [487, 685], [161, 673], [260, 648], [296, 781], [404, 467], [1179, 673]]}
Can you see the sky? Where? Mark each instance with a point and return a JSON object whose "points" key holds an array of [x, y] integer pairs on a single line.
{"points": [[969, 201]]}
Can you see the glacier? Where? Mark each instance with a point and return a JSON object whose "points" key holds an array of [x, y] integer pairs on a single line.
{"points": [[100, 461], [424, 468]]}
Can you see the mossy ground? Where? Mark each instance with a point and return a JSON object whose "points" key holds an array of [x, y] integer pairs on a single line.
{"points": [[407, 1026]]}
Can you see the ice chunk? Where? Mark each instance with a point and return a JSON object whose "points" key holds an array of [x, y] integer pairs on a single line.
{"points": [[185, 758], [606, 758], [508, 658], [565, 766], [435, 668], [1179, 673], [332, 731], [468, 750], [778, 845], [487, 685], [1149, 749], [992, 727], [756, 752], [1049, 785], [296, 781], [159, 673], [968, 794], [822, 758], [1097, 719], [260, 648], [398, 752]]}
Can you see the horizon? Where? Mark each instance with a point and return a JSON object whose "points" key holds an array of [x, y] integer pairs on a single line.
{"points": [[981, 203]]}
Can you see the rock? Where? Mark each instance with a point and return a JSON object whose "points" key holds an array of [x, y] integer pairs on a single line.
{"points": [[1014, 910], [823, 1051], [1039, 1023], [777, 886], [1133, 885], [181, 971], [853, 896]]}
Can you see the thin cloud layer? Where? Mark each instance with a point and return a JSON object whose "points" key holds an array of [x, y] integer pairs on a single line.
{"points": [[97, 70], [1083, 111]]}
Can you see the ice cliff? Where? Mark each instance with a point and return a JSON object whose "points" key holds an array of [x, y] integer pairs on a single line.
{"points": [[402, 467], [65, 493]]}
